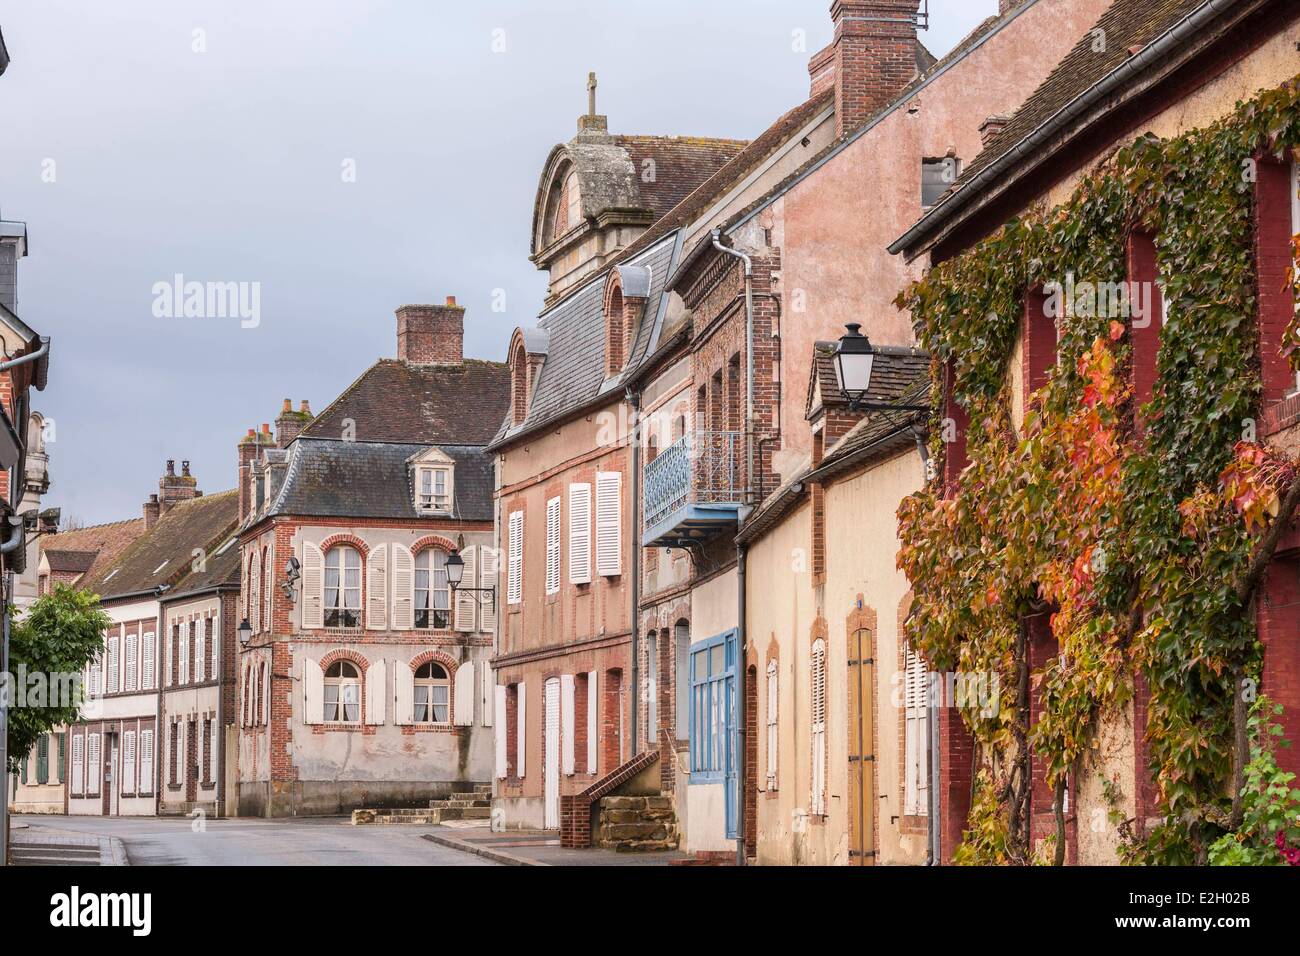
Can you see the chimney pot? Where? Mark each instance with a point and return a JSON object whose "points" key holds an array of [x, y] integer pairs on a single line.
{"points": [[171, 466], [305, 408], [185, 469], [288, 406], [991, 127]]}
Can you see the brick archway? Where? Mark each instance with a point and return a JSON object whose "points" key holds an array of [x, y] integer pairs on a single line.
{"points": [[334, 540], [433, 542]]}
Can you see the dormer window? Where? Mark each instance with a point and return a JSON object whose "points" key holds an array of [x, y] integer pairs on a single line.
{"points": [[434, 481]]}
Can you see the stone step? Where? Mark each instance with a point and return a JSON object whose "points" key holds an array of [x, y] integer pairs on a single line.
{"points": [[466, 813], [457, 804], [646, 846]]}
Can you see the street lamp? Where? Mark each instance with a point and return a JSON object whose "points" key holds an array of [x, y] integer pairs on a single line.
{"points": [[456, 573], [245, 632], [855, 360]]}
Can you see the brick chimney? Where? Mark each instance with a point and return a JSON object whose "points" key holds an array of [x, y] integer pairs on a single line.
{"points": [[1006, 6], [991, 127], [151, 511], [174, 488], [871, 60], [431, 334], [247, 452], [289, 424]]}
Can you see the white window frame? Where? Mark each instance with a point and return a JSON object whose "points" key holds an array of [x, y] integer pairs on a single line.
{"points": [[428, 498], [341, 683], [429, 685], [344, 601], [436, 585]]}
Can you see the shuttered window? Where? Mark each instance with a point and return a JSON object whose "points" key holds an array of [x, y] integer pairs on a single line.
{"points": [[128, 762], [403, 588], [185, 653], [580, 534], [114, 668], [43, 759], [146, 761], [915, 756], [515, 560], [255, 594], [200, 649], [94, 771], [593, 724], [487, 578], [268, 585], [78, 763], [147, 661], [773, 700], [467, 601], [313, 585], [132, 649], [377, 589], [553, 546], [214, 628], [819, 728], [62, 756], [609, 523]]}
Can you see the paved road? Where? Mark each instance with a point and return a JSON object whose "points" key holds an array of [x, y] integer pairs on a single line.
{"points": [[169, 841]]}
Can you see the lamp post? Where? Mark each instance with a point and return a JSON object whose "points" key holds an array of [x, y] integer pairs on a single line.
{"points": [[456, 573], [855, 360], [245, 632]]}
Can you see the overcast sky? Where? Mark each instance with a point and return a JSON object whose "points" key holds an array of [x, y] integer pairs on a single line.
{"points": [[134, 155]]}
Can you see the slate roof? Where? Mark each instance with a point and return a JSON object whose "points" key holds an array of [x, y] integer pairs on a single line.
{"points": [[395, 401], [327, 478], [105, 541], [1127, 24], [220, 570], [75, 562], [893, 372], [573, 373], [682, 163], [164, 554]]}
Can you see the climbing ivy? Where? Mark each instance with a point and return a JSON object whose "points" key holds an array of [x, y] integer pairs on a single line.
{"points": [[1134, 527]]}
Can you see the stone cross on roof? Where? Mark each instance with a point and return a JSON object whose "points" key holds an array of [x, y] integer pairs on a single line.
{"points": [[591, 94], [591, 121]]}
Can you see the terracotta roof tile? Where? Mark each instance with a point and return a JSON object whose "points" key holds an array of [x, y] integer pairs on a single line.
{"points": [[106, 541]]}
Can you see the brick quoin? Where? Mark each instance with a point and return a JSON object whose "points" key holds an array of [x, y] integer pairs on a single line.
{"points": [[1276, 296]]}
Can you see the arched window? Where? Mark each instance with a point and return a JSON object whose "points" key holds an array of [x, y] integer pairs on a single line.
{"points": [[343, 587], [819, 727], [432, 694], [518, 385], [432, 592], [342, 693]]}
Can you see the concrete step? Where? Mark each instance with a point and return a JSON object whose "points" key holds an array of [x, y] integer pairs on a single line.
{"points": [[456, 804]]}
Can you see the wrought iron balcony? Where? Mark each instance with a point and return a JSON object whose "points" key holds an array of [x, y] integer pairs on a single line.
{"points": [[693, 488]]}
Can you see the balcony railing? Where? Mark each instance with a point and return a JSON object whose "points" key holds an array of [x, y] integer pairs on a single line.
{"points": [[703, 467]]}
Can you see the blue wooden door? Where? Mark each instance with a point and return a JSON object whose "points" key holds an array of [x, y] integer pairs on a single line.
{"points": [[729, 778]]}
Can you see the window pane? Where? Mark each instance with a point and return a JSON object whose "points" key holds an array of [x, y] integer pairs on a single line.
{"points": [[717, 660], [701, 665], [440, 704], [351, 703], [331, 701]]}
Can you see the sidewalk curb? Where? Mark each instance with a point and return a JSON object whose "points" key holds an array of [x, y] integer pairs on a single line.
{"points": [[500, 856]]}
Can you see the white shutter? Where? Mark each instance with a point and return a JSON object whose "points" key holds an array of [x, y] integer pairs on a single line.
{"points": [[377, 589], [487, 681], [213, 749], [146, 761], [313, 586], [266, 694], [609, 523], [114, 671], [255, 595], [521, 736], [515, 559], [566, 723], [403, 588], [487, 578], [131, 661], [467, 601], [499, 730], [376, 692], [214, 628], [553, 546], [185, 653], [462, 693], [147, 654], [313, 692], [580, 534], [78, 762], [94, 768], [128, 762], [200, 649], [819, 728], [592, 722], [403, 694], [772, 704]]}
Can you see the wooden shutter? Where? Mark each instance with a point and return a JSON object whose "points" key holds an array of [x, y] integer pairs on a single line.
{"points": [[313, 692], [147, 662], [94, 769], [213, 748], [313, 586], [515, 559], [487, 578], [819, 728], [114, 672], [592, 724], [916, 783], [128, 762], [462, 695], [580, 534], [200, 648], [185, 653], [773, 698], [132, 661], [486, 684], [403, 588], [609, 523], [403, 694], [499, 730], [521, 735], [553, 546], [266, 694], [376, 692], [214, 627], [377, 589], [255, 595], [146, 761], [566, 723], [467, 601], [78, 763]]}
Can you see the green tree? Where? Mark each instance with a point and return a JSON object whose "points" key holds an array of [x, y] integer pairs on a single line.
{"points": [[49, 648]]}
